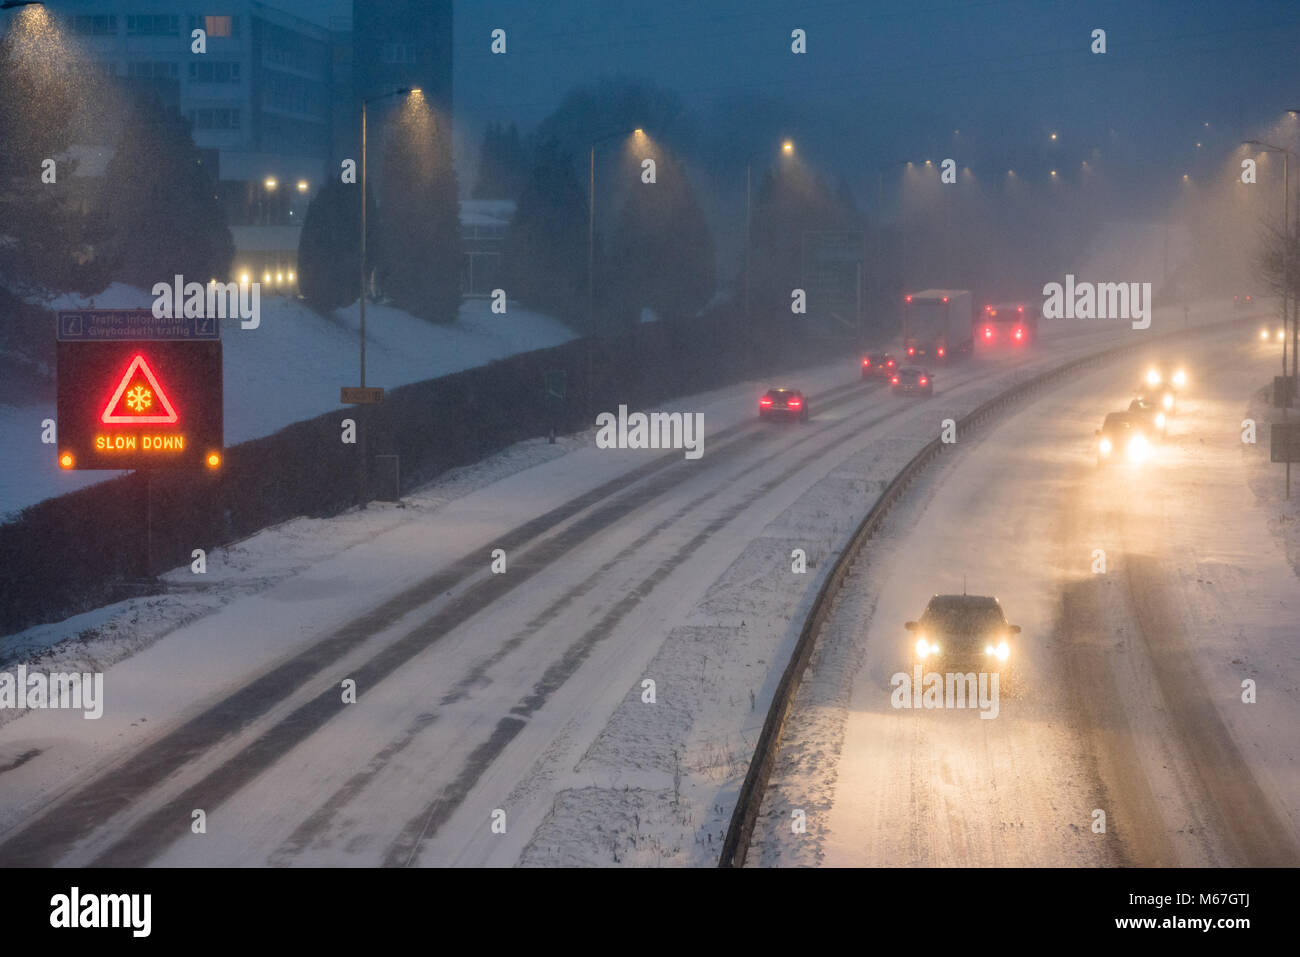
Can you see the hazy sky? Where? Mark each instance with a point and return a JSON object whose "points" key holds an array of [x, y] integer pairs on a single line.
{"points": [[885, 79]]}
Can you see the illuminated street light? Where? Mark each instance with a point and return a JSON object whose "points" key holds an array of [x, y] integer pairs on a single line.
{"points": [[271, 183], [639, 132], [1286, 277], [361, 304], [787, 147], [302, 186]]}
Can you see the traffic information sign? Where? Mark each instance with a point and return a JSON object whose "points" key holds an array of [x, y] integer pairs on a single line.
{"points": [[138, 403]]}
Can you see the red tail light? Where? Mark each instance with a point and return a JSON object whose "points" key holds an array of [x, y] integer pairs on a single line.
{"points": [[988, 332], [894, 381], [794, 404], [911, 350], [924, 380], [941, 350], [1020, 334], [764, 402], [907, 298], [865, 363], [1020, 308], [890, 363]]}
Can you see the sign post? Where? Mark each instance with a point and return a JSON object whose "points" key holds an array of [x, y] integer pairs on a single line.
{"points": [[364, 395], [1284, 446]]}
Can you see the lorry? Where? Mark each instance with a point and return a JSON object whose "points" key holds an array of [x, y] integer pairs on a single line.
{"points": [[937, 324], [1006, 326]]}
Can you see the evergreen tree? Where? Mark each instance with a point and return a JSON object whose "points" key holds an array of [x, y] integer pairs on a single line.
{"points": [[503, 164], [329, 249], [662, 254], [419, 252], [54, 234], [162, 203], [790, 202], [545, 254]]}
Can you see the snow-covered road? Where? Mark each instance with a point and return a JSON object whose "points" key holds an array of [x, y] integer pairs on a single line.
{"points": [[500, 718], [1129, 697]]}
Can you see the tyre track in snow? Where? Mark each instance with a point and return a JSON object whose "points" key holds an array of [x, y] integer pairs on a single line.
{"points": [[43, 841]]}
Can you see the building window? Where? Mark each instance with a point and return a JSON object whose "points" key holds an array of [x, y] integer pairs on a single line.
{"points": [[151, 25], [399, 53], [208, 71], [216, 26], [215, 118], [94, 26], [152, 69]]}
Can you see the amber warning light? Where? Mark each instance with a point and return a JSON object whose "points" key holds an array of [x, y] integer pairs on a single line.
{"points": [[138, 392]]}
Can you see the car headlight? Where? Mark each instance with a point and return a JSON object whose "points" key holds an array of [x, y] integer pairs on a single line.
{"points": [[1263, 334], [1153, 377], [922, 648], [1104, 446], [1168, 400], [1002, 651], [1160, 420], [1138, 448], [1180, 378], [1281, 335]]}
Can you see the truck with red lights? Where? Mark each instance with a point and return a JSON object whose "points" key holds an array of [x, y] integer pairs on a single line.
{"points": [[936, 324], [1005, 326]]}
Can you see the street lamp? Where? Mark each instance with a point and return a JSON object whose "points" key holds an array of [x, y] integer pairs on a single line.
{"points": [[591, 246], [400, 91], [1288, 386], [1286, 250], [787, 147]]}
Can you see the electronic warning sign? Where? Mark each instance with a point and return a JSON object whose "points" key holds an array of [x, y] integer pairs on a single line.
{"points": [[137, 403]]}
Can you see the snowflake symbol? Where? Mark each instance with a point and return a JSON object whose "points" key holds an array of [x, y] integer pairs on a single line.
{"points": [[139, 399]]}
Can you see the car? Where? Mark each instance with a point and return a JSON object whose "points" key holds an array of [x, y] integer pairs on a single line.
{"points": [[1123, 435], [1148, 409], [956, 631], [1163, 384], [1272, 335], [783, 403], [878, 364], [1243, 301], [910, 379]]}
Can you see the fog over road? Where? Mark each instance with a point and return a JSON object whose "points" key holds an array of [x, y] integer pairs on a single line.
{"points": [[1128, 699]]}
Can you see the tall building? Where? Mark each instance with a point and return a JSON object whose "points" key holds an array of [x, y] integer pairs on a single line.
{"points": [[399, 43], [260, 101]]}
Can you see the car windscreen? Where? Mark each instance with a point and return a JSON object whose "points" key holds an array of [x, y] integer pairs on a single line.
{"points": [[963, 618]]}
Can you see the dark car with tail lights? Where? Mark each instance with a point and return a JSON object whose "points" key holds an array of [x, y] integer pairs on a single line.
{"points": [[912, 381], [783, 404]]}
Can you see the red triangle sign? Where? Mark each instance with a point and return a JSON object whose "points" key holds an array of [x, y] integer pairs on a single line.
{"points": [[139, 399]]}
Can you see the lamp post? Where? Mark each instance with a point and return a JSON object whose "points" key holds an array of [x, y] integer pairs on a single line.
{"points": [[1286, 247], [591, 251], [1288, 385], [401, 91], [787, 148]]}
